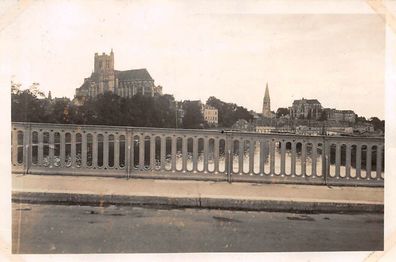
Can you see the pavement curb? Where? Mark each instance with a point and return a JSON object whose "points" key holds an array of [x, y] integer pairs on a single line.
{"points": [[194, 202]]}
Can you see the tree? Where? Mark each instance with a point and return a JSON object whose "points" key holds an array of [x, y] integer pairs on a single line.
{"points": [[282, 111], [165, 111], [360, 119], [60, 111], [84, 114], [193, 117], [107, 109], [377, 123], [26, 107], [229, 113], [35, 90], [15, 88]]}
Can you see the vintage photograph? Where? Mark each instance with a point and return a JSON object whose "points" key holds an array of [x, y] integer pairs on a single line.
{"points": [[195, 127]]}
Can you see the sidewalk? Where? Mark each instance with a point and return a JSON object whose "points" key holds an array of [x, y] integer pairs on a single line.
{"points": [[85, 190]]}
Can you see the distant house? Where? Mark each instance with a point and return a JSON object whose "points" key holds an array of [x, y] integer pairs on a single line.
{"points": [[363, 128], [210, 114], [340, 115]]}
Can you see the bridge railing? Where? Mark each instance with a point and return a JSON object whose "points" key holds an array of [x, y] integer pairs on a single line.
{"points": [[39, 148]]}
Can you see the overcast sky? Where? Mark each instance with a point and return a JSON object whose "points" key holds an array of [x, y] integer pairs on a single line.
{"points": [[228, 49]]}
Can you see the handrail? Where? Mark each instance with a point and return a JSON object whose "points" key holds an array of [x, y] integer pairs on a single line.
{"points": [[196, 154]]}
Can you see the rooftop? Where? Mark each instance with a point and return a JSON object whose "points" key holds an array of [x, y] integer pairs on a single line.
{"points": [[306, 101], [134, 74]]}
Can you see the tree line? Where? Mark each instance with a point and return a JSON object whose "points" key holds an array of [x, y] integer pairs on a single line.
{"points": [[110, 109]]}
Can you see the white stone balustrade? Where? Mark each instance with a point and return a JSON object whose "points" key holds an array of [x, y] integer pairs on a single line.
{"points": [[39, 148]]}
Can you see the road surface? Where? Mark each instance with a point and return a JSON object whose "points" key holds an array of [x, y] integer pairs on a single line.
{"points": [[118, 229]]}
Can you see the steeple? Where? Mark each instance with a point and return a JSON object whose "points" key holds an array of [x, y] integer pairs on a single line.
{"points": [[266, 103], [266, 95]]}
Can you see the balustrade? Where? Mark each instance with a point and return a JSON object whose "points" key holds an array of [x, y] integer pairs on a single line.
{"points": [[196, 154]]}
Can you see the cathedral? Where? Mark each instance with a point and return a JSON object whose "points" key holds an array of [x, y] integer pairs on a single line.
{"points": [[123, 83]]}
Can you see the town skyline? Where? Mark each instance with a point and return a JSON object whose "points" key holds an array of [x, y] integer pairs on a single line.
{"points": [[271, 108], [335, 57]]}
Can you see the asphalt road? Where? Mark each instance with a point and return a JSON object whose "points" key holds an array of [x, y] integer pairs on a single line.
{"points": [[113, 229]]}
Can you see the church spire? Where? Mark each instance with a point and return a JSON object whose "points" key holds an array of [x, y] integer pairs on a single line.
{"points": [[266, 103], [266, 95]]}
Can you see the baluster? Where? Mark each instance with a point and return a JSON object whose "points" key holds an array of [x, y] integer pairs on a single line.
{"points": [[163, 151], [83, 150], [325, 158], [195, 154], [62, 149], [228, 156], [184, 152], [51, 148], [73, 149], [314, 157], [129, 144], [368, 161], [303, 158], [327, 162], [106, 150], [173, 152], [283, 157], [95, 150], [252, 147], [379, 161], [132, 150], [262, 156], [216, 155], [272, 152], [358, 160], [293, 158], [14, 137], [117, 151], [142, 142], [348, 161], [40, 149], [27, 149], [241, 156], [152, 152], [206, 153], [338, 161]]}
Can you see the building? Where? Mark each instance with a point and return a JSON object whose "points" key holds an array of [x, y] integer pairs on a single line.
{"points": [[339, 130], [363, 128], [210, 114], [306, 109], [242, 125], [340, 115], [267, 104], [123, 83], [265, 129]]}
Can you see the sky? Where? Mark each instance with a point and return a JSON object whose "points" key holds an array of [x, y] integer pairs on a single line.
{"points": [[333, 52]]}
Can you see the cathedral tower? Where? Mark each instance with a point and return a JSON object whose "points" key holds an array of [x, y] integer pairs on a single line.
{"points": [[104, 63], [104, 72], [267, 103]]}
